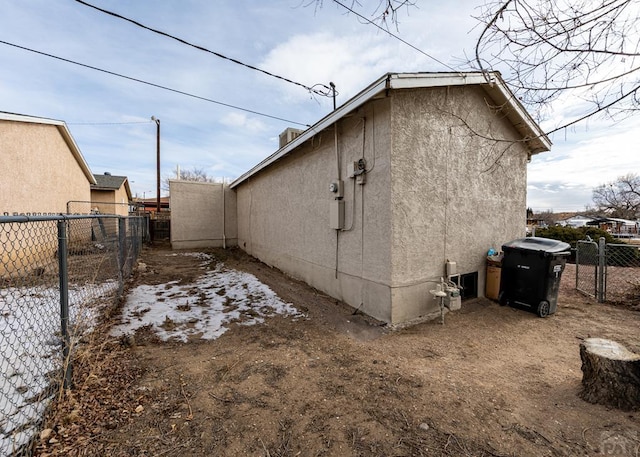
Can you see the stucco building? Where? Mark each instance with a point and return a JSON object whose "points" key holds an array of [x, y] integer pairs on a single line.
{"points": [[41, 170], [369, 203], [41, 166], [203, 215]]}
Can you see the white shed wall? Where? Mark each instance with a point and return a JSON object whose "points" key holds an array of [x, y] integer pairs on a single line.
{"points": [[197, 215]]}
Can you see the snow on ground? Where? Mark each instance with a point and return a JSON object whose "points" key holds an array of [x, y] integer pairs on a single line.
{"points": [[202, 309], [31, 352]]}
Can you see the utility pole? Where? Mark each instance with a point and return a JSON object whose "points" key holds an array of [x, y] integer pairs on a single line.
{"points": [[157, 121]]}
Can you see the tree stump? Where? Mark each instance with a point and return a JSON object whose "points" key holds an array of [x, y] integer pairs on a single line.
{"points": [[610, 374]]}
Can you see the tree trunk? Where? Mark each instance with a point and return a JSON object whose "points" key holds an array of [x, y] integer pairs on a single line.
{"points": [[610, 374]]}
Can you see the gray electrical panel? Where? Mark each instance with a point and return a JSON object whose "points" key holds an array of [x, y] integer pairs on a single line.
{"points": [[336, 214]]}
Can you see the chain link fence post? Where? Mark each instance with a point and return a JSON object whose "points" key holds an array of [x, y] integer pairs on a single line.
{"points": [[64, 301], [122, 252], [602, 262]]}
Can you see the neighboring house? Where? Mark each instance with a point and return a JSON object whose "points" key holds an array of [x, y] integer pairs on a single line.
{"points": [[41, 169], [111, 194], [41, 166], [370, 203], [622, 228], [576, 221]]}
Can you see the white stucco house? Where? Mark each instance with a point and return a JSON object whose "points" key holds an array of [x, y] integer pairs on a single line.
{"points": [[369, 203]]}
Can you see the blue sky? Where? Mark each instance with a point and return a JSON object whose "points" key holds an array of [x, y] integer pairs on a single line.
{"points": [[110, 117]]}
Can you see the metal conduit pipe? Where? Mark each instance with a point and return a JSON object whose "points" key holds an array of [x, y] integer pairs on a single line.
{"points": [[224, 222]]}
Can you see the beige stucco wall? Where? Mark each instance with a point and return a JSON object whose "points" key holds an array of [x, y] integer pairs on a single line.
{"points": [[38, 175], [197, 215], [39, 172], [455, 194], [435, 191], [283, 213]]}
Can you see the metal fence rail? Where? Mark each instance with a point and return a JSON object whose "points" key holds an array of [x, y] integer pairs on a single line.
{"points": [[608, 272], [57, 273]]}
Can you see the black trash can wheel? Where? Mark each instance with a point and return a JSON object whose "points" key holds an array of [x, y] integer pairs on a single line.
{"points": [[543, 308], [502, 299]]}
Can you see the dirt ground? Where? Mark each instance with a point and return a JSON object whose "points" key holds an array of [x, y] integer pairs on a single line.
{"points": [[492, 381]]}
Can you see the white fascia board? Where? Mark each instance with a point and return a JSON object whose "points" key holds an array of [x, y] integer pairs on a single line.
{"points": [[418, 80], [75, 150], [4, 116], [536, 135]]}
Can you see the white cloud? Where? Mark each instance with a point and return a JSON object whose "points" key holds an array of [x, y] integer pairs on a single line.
{"points": [[243, 122]]}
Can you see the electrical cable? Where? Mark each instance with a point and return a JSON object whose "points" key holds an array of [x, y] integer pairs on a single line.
{"points": [[107, 123], [310, 89], [394, 36], [257, 113]]}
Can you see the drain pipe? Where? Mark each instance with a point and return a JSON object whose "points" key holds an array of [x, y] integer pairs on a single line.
{"points": [[224, 222]]}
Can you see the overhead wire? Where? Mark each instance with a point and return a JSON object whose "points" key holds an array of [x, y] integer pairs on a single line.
{"points": [[327, 92], [159, 86], [394, 36], [108, 123]]}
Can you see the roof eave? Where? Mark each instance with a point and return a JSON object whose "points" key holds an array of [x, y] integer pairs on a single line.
{"points": [[373, 89], [533, 136]]}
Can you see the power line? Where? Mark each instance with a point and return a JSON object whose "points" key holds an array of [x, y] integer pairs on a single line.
{"points": [[257, 113], [325, 93], [107, 123], [391, 34]]}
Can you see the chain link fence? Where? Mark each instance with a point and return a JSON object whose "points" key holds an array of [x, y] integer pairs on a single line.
{"points": [[587, 267], [608, 272], [57, 273], [622, 273]]}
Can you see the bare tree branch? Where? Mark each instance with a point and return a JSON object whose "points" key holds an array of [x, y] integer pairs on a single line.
{"points": [[620, 198], [547, 49]]}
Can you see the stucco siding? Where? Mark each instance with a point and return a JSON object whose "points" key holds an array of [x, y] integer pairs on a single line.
{"points": [[39, 172], [38, 175], [456, 194], [197, 215], [284, 218]]}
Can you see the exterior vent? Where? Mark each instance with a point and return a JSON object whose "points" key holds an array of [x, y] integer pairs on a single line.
{"points": [[289, 135]]}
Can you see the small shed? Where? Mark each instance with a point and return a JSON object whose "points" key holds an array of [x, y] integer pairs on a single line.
{"points": [[370, 203]]}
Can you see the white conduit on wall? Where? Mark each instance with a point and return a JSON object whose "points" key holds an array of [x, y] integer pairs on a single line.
{"points": [[224, 222]]}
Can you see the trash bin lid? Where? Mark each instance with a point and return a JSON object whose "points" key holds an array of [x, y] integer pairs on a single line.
{"points": [[534, 243]]}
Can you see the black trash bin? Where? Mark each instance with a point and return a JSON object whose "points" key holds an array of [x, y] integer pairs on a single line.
{"points": [[531, 272]]}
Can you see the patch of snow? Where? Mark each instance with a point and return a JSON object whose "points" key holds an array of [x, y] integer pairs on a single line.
{"points": [[202, 309], [31, 352]]}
